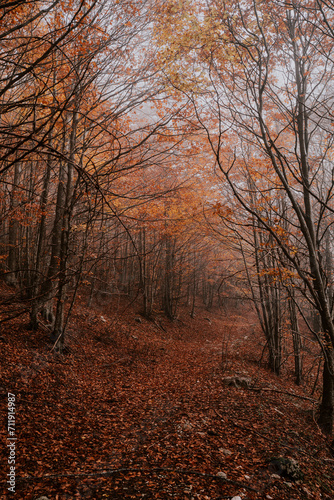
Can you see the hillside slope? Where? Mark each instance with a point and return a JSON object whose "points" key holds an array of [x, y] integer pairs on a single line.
{"points": [[139, 409]]}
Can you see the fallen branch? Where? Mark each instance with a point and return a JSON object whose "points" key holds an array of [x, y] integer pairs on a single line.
{"points": [[159, 325], [110, 472], [269, 389], [14, 316]]}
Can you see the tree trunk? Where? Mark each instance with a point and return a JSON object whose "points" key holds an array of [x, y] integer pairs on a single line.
{"points": [[326, 409], [296, 339], [39, 264], [11, 277]]}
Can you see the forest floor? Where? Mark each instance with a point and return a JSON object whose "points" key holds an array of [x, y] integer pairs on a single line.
{"points": [[138, 409]]}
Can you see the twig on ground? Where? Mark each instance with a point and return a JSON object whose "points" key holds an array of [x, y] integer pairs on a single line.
{"points": [[269, 389], [110, 472]]}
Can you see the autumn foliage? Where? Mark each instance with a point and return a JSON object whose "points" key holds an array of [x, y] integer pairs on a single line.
{"points": [[175, 160]]}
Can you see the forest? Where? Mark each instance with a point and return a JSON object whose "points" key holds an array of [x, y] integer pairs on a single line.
{"points": [[166, 249]]}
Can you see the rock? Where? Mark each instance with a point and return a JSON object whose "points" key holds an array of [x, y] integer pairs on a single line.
{"points": [[237, 381], [236, 498], [222, 475], [227, 453], [186, 426], [42, 498], [286, 467], [308, 493]]}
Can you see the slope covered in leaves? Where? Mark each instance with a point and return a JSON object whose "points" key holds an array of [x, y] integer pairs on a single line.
{"points": [[138, 409]]}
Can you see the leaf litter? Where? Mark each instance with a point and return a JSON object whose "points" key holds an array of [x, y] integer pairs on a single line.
{"points": [[139, 410]]}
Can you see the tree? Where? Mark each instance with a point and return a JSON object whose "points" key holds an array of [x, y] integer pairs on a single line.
{"points": [[265, 83], [73, 81]]}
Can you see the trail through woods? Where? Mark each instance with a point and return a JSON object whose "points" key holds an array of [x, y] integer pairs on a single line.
{"points": [[138, 409]]}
